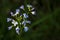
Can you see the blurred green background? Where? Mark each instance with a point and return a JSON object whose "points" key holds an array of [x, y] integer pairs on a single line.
{"points": [[45, 24]]}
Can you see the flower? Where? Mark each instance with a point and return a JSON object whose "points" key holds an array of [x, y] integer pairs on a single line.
{"points": [[20, 20], [10, 27], [33, 12], [32, 8], [24, 23], [22, 7], [17, 30], [26, 29], [25, 15], [14, 22], [9, 19], [17, 10], [28, 22], [12, 14], [29, 6]]}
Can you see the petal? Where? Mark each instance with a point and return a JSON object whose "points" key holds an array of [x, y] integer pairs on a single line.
{"points": [[17, 30], [25, 15], [24, 23], [32, 8], [17, 10], [12, 14], [13, 21], [10, 27], [28, 22], [9, 19], [33, 12], [16, 22], [29, 5], [26, 29], [22, 7]]}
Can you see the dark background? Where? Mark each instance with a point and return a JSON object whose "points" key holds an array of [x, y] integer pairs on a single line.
{"points": [[45, 24]]}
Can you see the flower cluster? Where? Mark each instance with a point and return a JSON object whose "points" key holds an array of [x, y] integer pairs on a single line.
{"points": [[19, 19]]}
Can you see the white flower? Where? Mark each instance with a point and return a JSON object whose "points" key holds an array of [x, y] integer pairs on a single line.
{"points": [[14, 22], [28, 22], [10, 27], [25, 15], [12, 14], [29, 5], [17, 30], [17, 10], [9, 19], [32, 8], [24, 23], [26, 29], [22, 7], [33, 12]]}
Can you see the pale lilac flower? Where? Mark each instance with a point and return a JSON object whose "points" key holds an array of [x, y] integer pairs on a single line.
{"points": [[17, 10], [26, 29], [17, 30], [22, 7], [33, 12], [9, 19], [14, 22], [24, 23], [10, 27], [12, 14], [25, 15]]}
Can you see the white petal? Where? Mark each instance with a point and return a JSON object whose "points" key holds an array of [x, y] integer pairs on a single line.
{"points": [[26, 29], [29, 5], [12, 14], [28, 22], [10, 27], [17, 10], [17, 30], [24, 23], [9, 19], [33, 12], [25, 15], [14, 22], [22, 7], [32, 8]]}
